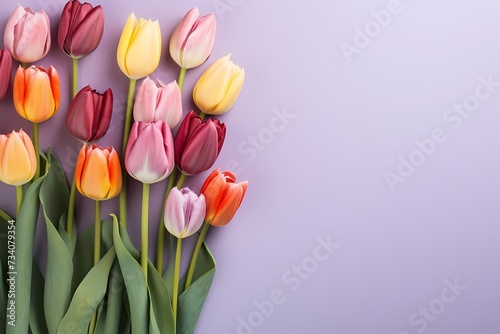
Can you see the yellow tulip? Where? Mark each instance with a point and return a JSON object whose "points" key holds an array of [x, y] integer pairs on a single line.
{"points": [[17, 158], [218, 88], [139, 49]]}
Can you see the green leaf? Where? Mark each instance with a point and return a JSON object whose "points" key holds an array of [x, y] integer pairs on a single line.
{"points": [[109, 319], [88, 296], [25, 236], [160, 307], [37, 319], [168, 275], [135, 283], [191, 301], [83, 258], [59, 269]]}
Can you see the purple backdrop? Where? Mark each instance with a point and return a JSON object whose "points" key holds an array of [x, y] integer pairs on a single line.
{"points": [[369, 132]]}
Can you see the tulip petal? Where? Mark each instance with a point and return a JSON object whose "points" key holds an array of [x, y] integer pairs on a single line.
{"points": [[14, 18], [39, 102], [32, 38], [230, 203], [87, 35], [16, 163], [104, 113], [169, 104], [181, 33], [144, 51], [196, 215], [19, 91], [232, 93], [78, 121], [95, 182], [201, 150], [124, 43], [145, 101], [199, 44], [115, 174], [174, 213]]}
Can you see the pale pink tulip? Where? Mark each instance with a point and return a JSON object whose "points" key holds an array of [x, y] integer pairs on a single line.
{"points": [[149, 156], [184, 212], [193, 39], [156, 101], [27, 34]]}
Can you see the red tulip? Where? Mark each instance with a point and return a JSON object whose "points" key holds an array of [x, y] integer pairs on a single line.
{"points": [[5, 72], [198, 143], [223, 196], [80, 29], [89, 114]]}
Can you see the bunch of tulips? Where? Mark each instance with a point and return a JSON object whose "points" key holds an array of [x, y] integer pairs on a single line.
{"points": [[77, 292]]}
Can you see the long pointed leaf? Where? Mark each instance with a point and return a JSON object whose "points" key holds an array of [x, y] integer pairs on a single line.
{"points": [[88, 296], [25, 236], [134, 282], [191, 301], [37, 319]]}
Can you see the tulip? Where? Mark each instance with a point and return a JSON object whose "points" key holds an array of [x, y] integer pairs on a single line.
{"points": [[5, 72], [184, 212], [156, 101], [89, 114], [17, 158], [198, 143], [193, 39], [218, 88], [149, 157], [139, 49], [27, 34], [36, 93], [80, 29], [223, 196], [98, 174]]}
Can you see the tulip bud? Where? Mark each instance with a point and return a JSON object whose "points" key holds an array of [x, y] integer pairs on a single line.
{"points": [[219, 86], [27, 34], [5, 72], [98, 174], [156, 101], [36, 93], [17, 158], [139, 49], [193, 39], [223, 196], [80, 29], [89, 114], [149, 156], [198, 143], [184, 212]]}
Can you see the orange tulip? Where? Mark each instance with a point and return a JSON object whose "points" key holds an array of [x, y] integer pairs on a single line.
{"points": [[223, 196], [98, 174], [17, 158], [36, 93]]}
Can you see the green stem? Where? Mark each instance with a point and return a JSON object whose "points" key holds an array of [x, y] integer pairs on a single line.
{"points": [[71, 209], [202, 115], [36, 144], [126, 134], [74, 82], [5, 216], [97, 232], [24, 65], [144, 229], [181, 181], [194, 257], [180, 81], [160, 248], [97, 253], [19, 200], [175, 288]]}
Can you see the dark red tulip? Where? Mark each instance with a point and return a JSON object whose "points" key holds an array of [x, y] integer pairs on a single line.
{"points": [[5, 72], [89, 114], [80, 29], [198, 143]]}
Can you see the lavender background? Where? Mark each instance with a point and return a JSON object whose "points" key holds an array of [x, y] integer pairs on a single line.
{"points": [[357, 104]]}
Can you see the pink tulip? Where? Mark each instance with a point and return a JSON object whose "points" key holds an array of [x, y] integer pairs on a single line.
{"points": [[89, 114], [27, 34], [184, 212], [5, 72], [80, 29], [198, 143], [156, 101], [149, 156], [193, 39]]}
